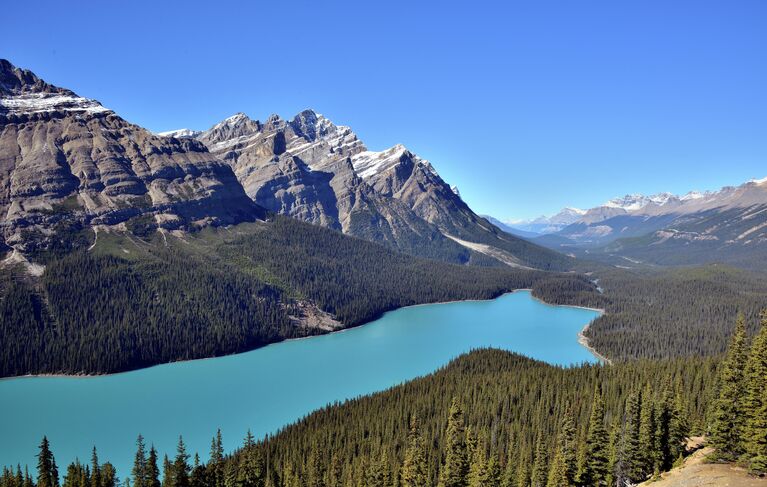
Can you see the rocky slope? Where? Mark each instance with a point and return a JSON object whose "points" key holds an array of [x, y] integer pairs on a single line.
{"points": [[67, 162], [697, 472], [314, 170], [728, 225]]}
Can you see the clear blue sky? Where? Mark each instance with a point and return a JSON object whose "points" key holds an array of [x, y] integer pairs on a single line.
{"points": [[526, 106]]}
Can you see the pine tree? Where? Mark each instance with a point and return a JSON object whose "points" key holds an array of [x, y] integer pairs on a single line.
{"points": [[755, 404], [558, 472], [47, 472], [564, 464], [492, 473], [509, 472], [315, 472], [523, 477], [76, 475], [595, 471], [197, 478], [455, 470], [167, 473], [334, 473], [616, 468], [477, 467], [631, 444], [378, 473], [152, 470], [28, 478], [414, 468], [108, 475], [647, 441], [95, 477], [679, 428], [663, 417], [216, 460], [251, 469], [139, 464], [540, 465], [727, 417], [180, 466]]}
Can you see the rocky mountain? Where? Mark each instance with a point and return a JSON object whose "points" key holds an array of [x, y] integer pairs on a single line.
{"points": [[728, 225], [314, 170], [551, 224], [508, 228], [67, 162]]}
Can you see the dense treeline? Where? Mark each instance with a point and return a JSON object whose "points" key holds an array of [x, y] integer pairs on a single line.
{"points": [[489, 418], [356, 280], [739, 429], [669, 313], [213, 294], [104, 314]]}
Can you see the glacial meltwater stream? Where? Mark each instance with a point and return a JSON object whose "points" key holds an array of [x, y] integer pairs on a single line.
{"points": [[271, 387]]}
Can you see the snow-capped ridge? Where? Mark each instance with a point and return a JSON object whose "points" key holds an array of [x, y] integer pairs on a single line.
{"points": [[180, 133], [33, 103], [634, 202]]}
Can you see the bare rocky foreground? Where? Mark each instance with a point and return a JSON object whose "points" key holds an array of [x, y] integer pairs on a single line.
{"points": [[697, 473]]}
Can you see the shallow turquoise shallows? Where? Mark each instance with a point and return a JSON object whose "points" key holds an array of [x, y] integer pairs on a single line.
{"points": [[268, 388]]}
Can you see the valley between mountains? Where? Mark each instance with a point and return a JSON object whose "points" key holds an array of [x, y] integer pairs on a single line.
{"points": [[122, 249]]}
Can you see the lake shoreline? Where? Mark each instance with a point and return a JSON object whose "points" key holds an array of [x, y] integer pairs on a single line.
{"points": [[581, 338]]}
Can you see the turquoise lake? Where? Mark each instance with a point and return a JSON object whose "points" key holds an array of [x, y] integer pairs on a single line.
{"points": [[268, 388]]}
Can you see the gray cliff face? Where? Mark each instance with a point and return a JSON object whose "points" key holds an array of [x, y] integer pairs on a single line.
{"points": [[65, 158], [400, 174], [303, 168], [311, 169]]}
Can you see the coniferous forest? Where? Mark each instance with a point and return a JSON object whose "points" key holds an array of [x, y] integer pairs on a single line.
{"points": [[229, 291], [489, 418]]}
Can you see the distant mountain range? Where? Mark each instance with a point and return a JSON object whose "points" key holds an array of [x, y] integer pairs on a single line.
{"points": [[67, 163], [728, 225]]}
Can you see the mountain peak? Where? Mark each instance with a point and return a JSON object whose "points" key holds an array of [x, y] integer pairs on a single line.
{"points": [[312, 125], [23, 94], [15, 80], [235, 119]]}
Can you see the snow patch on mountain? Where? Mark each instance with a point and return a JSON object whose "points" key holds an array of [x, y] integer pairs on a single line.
{"points": [[635, 202], [369, 163], [31, 103], [180, 133]]}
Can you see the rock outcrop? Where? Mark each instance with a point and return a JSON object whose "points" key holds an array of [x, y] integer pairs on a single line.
{"points": [[65, 159]]}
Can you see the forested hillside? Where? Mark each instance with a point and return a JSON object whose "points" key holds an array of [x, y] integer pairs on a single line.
{"points": [[664, 313], [488, 418], [131, 302]]}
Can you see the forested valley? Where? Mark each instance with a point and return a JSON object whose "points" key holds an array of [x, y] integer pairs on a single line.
{"points": [[131, 303], [227, 291]]}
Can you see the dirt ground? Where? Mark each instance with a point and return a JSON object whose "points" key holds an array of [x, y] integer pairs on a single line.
{"points": [[696, 473]]}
